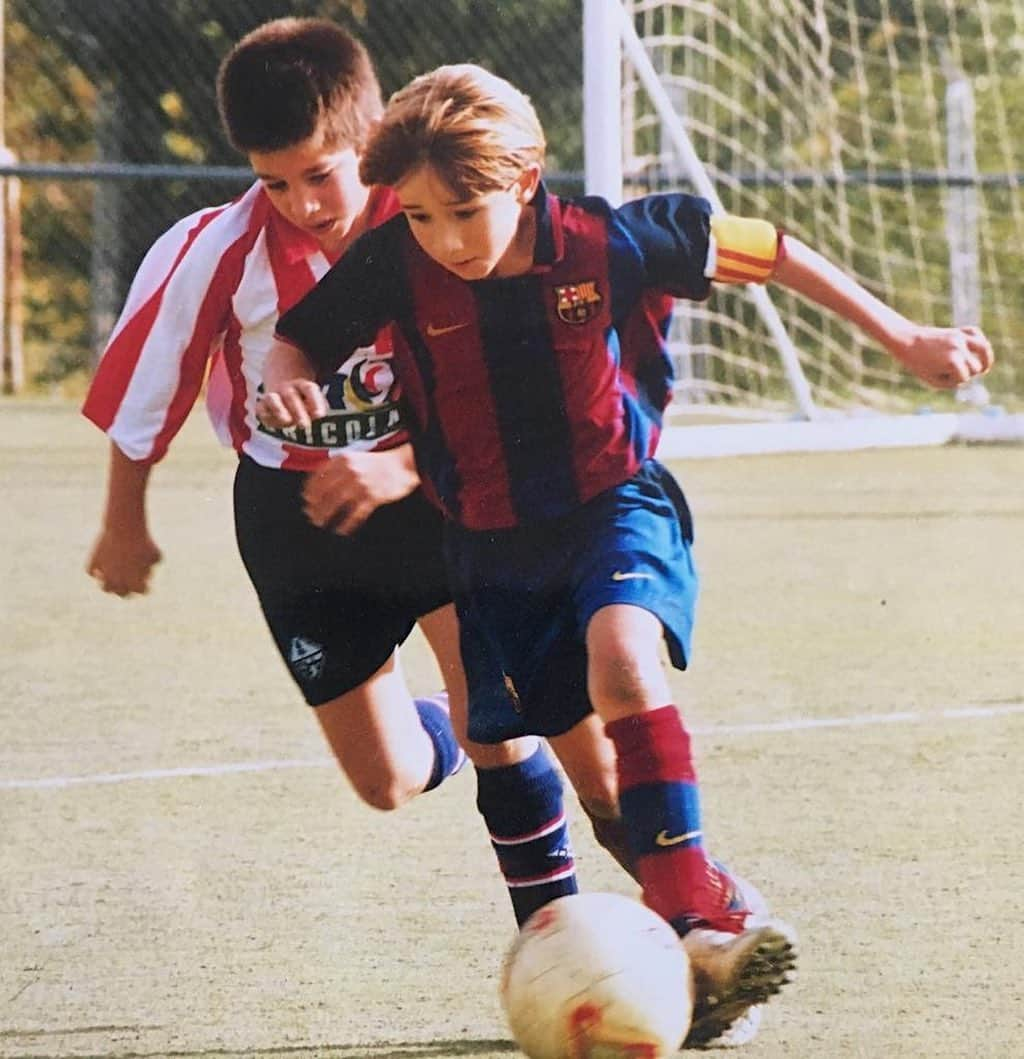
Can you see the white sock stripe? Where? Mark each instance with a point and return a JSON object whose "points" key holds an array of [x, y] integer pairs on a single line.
{"points": [[541, 880], [521, 840]]}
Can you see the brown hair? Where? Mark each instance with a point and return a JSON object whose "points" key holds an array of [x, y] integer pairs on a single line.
{"points": [[475, 129], [292, 77]]}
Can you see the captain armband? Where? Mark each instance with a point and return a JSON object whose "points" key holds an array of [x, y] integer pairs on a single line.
{"points": [[742, 249]]}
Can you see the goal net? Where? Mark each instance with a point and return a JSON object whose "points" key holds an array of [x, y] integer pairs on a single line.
{"points": [[884, 133]]}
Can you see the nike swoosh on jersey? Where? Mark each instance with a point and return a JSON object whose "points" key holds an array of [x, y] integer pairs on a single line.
{"points": [[621, 575], [663, 838], [436, 332]]}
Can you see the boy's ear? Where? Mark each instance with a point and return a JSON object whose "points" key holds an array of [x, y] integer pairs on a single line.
{"points": [[527, 183]]}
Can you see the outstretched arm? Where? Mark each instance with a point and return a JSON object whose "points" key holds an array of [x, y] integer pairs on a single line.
{"points": [[943, 357], [124, 554]]}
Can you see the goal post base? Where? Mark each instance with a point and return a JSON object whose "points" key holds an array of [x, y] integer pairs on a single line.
{"points": [[840, 434]]}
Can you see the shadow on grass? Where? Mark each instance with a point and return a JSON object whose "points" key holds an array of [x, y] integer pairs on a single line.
{"points": [[454, 1049], [438, 1050]]}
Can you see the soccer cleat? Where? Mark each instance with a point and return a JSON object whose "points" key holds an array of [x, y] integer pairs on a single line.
{"points": [[744, 894], [735, 972], [742, 1031]]}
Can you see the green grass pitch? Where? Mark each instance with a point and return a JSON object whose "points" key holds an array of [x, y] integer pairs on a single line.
{"points": [[183, 873]]}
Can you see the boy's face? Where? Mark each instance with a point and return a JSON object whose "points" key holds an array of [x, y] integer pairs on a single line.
{"points": [[472, 238], [315, 187]]}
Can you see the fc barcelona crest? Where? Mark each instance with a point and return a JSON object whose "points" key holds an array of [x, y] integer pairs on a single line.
{"points": [[577, 302]]}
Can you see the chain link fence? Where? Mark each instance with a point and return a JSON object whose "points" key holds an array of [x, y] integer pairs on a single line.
{"points": [[112, 134], [110, 131]]}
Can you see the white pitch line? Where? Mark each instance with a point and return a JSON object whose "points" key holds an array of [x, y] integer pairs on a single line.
{"points": [[164, 774], [950, 713], [796, 724]]}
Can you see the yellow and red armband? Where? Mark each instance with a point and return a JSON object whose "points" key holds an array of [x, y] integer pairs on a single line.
{"points": [[742, 249]]}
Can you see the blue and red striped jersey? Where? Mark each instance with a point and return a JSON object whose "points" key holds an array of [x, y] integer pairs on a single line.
{"points": [[533, 393]]}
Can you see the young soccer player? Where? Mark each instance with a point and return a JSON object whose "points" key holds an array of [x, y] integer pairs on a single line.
{"points": [[343, 550], [530, 345]]}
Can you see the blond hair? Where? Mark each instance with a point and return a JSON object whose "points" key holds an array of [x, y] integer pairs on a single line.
{"points": [[475, 129]]}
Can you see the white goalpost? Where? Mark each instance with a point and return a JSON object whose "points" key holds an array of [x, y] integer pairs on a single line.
{"points": [[852, 125]]}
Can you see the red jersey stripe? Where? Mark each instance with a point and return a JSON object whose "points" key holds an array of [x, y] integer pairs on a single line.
{"points": [[114, 373]]}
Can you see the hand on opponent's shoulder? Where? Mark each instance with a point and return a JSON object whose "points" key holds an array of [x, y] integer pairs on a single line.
{"points": [[943, 357]]}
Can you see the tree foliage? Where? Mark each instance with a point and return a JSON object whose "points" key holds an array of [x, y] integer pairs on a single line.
{"points": [[133, 81]]}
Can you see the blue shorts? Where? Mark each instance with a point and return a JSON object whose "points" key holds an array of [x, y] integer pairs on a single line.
{"points": [[525, 597]]}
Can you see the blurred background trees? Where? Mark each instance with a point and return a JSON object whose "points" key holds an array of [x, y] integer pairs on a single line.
{"points": [[117, 87], [132, 82]]}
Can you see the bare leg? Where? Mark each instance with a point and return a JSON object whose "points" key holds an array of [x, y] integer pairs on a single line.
{"points": [[375, 733], [588, 757]]}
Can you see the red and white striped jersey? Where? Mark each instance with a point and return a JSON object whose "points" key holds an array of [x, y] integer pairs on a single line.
{"points": [[203, 308]]}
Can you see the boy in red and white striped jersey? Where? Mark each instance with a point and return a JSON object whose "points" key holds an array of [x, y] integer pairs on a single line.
{"points": [[341, 547]]}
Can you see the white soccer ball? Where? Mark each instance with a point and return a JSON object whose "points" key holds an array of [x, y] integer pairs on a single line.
{"points": [[597, 975]]}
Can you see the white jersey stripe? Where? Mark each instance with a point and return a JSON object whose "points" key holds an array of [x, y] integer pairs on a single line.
{"points": [[158, 375], [158, 262]]}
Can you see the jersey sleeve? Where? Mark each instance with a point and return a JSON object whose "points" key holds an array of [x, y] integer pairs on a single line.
{"points": [[671, 233], [685, 247], [350, 304], [154, 364]]}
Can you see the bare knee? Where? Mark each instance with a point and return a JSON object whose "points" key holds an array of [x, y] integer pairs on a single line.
{"points": [[378, 740], [385, 792], [619, 681], [500, 755], [625, 674]]}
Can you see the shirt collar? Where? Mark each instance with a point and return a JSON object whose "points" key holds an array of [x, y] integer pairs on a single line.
{"points": [[549, 246], [295, 244]]}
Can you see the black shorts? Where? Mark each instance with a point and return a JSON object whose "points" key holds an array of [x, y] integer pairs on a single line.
{"points": [[336, 606]]}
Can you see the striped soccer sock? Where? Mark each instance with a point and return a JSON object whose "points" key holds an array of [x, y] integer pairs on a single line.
{"points": [[660, 805], [449, 757], [524, 812]]}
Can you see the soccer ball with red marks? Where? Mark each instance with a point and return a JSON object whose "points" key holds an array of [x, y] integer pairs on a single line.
{"points": [[597, 976]]}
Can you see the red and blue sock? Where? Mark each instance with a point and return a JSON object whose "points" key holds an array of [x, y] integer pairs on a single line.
{"points": [[660, 804], [523, 809]]}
